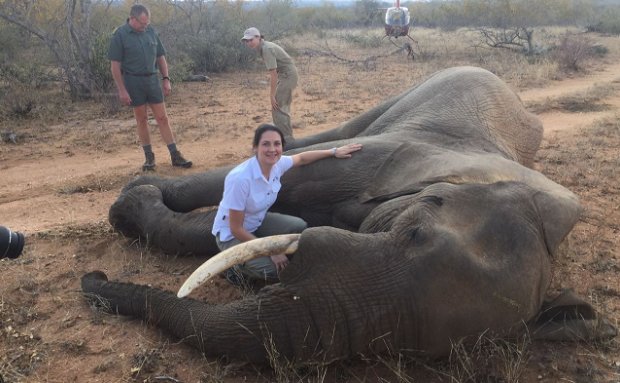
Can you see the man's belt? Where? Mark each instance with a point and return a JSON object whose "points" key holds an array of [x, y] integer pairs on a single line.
{"points": [[139, 74]]}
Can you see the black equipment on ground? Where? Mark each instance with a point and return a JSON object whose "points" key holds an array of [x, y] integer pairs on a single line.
{"points": [[11, 243]]}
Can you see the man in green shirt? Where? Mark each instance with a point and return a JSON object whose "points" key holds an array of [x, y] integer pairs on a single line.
{"points": [[136, 55], [283, 78]]}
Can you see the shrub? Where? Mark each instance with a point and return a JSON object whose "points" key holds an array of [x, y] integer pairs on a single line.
{"points": [[217, 54], [99, 63], [609, 22], [574, 51], [18, 101], [31, 74]]}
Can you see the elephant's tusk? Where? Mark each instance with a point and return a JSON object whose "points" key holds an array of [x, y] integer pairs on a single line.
{"points": [[243, 252]]}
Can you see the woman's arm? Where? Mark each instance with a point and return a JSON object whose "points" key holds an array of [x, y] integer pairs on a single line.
{"points": [[311, 156], [235, 218]]}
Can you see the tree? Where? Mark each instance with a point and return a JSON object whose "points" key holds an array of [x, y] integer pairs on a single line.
{"points": [[64, 28], [511, 23], [367, 11]]}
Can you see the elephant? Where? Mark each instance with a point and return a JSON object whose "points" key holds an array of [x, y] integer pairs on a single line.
{"points": [[438, 229]]}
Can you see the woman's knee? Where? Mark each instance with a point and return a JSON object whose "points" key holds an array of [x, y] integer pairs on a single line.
{"points": [[298, 225], [260, 268]]}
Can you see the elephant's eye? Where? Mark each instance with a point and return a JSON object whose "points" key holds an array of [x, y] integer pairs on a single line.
{"points": [[417, 235], [432, 199]]}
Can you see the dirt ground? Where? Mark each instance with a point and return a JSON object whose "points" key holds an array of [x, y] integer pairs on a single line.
{"points": [[60, 178]]}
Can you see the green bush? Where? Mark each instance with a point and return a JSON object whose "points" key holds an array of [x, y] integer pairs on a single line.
{"points": [[327, 16], [12, 41], [181, 68], [31, 74], [599, 50], [574, 51], [211, 54], [209, 41], [18, 101], [99, 63], [609, 22]]}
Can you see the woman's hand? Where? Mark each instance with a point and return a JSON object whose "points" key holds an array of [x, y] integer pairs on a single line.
{"points": [[280, 260], [274, 103], [346, 150], [310, 156]]}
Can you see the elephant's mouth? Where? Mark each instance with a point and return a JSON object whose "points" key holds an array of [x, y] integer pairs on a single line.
{"points": [[260, 247]]}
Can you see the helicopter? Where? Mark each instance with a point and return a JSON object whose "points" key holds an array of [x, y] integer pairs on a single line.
{"points": [[396, 22]]}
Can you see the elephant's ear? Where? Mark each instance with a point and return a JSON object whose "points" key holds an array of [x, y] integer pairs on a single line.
{"points": [[568, 317], [382, 217], [559, 211], [412, 167], [397, 176]]}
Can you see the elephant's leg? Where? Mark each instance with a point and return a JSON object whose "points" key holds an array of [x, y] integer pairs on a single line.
{"points": [[140, 212], [187, 193]]}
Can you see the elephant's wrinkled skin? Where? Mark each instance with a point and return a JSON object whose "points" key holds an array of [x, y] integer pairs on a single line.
{"points": [[434, 231]]}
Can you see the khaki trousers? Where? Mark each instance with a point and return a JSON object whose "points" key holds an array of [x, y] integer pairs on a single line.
{"points": [[273, 224], [284, 98]]}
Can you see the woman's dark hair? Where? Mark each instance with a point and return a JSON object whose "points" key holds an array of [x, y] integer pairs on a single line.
{"points": [[266, 128]]}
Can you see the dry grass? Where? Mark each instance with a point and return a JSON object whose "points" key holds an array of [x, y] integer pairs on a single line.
{"points": [[97, 230], [590, 163], [488, 359], [94, 183], [590, 100], [588, 259], [435, 49], [24, 350]]}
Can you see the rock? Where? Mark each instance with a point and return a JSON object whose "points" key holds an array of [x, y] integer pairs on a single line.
{"points": [[8, 137], [196, 78]]}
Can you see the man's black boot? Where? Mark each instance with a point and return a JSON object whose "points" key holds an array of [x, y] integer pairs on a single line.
{"points": [[149, 164], [178, 160]]}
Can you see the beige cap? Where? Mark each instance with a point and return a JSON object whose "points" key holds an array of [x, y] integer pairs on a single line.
{"points": [[250, 33]]}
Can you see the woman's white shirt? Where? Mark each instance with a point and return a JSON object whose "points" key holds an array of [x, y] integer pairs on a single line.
{"points": [[247, 190]]}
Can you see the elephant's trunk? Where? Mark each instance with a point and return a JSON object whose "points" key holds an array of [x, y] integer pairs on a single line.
{"points": [[299, 319], [232, 330]]}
